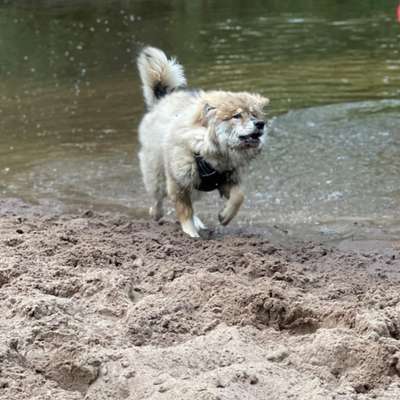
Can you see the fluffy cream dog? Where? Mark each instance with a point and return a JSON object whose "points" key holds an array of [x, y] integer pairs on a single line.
{"points": [[194, 140]]}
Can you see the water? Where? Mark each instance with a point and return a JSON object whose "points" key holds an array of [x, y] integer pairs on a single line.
{"points": [[70, 103]]}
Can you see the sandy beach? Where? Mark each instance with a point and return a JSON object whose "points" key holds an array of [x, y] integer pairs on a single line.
{"points": [[297, 299], [100, 306]]}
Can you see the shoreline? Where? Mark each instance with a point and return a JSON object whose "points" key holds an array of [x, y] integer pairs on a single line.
{"points": [[103, 306], [368, 238]]}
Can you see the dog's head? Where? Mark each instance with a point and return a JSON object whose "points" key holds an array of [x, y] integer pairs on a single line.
{"points": [[236, 120]]}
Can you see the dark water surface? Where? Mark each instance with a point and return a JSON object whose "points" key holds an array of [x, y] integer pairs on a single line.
{"points": [[70, 103]]}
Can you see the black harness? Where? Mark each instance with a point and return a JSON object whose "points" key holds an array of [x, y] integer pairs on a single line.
{"points": [[210, 178]]}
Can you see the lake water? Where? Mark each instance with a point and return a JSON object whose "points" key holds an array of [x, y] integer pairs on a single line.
{"points": [[70, 103]]}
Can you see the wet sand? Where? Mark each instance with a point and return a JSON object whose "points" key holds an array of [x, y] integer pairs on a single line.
{"points": [[100, 306]]}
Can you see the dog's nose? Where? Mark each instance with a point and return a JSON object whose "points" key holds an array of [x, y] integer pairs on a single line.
{"points": [[260, 125]]}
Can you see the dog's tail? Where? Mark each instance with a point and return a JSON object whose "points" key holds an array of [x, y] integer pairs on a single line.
{"points": [[159, 74]]}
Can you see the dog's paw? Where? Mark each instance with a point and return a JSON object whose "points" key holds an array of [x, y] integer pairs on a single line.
{"points": [[189, 228], [156, 213], [192, 234], [223, 219]]}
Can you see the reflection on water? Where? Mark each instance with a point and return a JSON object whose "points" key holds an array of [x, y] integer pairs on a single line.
{"points": [[70, 101]]}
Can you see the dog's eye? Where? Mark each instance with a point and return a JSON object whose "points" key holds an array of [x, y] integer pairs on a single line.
{"points": [[237, 116]]}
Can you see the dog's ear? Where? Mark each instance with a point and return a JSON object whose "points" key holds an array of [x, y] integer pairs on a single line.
{"points": [[262, 101], [207, 114]]}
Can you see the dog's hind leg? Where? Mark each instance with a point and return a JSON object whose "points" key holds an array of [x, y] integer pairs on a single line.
{"points": [[154, 181], [158, 193], [156, 210]]}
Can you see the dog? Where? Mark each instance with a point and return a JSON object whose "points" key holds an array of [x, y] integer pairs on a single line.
{"points": [[194, 140]]}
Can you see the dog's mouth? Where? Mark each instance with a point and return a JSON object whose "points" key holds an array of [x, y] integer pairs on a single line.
{"points": [[251, 140]]}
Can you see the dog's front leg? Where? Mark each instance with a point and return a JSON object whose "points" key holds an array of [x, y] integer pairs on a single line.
{"points": [[180, 193], [235, 198], [184, 212]]}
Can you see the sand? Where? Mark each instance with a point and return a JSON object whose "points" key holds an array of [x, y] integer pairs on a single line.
{"points": [[100, 306]]}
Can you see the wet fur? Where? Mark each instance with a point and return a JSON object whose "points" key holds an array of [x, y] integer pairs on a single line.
{"points": [[181, 122]]}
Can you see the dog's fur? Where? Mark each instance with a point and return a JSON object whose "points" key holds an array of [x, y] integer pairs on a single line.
{"points": [[225, 128]]}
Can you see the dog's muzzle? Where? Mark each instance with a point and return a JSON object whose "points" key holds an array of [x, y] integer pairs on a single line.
{"points": [[251, 140]]}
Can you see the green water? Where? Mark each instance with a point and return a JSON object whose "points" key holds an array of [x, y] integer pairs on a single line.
{"points": [[70, 103]]}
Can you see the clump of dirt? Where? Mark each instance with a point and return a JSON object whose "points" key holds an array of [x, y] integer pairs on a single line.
{"points": [[102, 307]]}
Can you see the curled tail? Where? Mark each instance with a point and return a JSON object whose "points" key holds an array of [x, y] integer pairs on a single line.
{"points": [[159, 74]]}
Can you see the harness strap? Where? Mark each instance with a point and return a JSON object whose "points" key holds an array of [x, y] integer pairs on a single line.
{"points": [[210, 178]]}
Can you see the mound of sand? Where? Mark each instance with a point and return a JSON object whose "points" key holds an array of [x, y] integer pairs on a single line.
{"points": [[103, 307]]}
